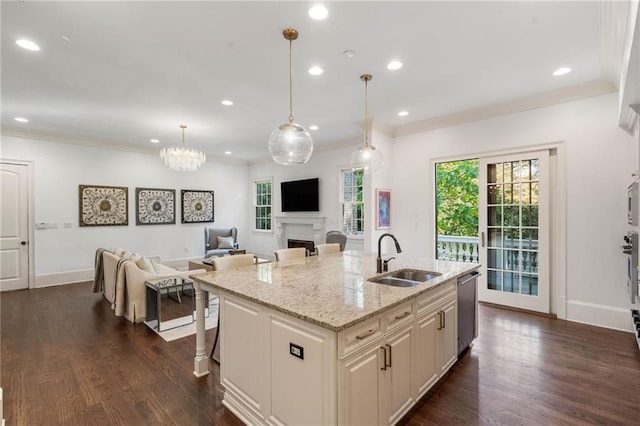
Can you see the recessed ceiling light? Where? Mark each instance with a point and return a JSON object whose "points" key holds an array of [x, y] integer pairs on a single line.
{"points": [[562, 71], [403, 113], [27, 44], [314, 127], [154, 141], [394, 65], [315, 70], [227, 102], [318, 12], [228, 152], [21, 119], [65, 38]]}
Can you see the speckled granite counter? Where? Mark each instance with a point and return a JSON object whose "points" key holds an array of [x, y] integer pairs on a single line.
{"points": [[331, 291]]}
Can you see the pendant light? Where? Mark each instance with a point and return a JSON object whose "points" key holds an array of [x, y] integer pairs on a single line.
{"points": [[366, 157], [290, 143], [183, 159]]}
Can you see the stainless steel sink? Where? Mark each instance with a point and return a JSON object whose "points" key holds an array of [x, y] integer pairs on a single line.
{"points": [[414, 275], [405, 277], [395, 282]]}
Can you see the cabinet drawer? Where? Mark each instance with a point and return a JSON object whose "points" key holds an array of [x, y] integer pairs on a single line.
{"points": [[359, 335], [398, 316], [424, 303]]}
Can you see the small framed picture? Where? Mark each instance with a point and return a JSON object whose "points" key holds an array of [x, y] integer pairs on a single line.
{"points": [[155, 206], [383, 208], [103, 205], [197, 206]]}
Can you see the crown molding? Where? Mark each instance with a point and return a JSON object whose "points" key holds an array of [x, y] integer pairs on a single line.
{"points": [[566, 94], [56, 138]]}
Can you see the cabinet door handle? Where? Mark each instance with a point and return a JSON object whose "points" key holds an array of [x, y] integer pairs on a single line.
{"points": [[444, 319], [384, 351], [366, 334], [403, 315], [439, 320], [388, 346]]}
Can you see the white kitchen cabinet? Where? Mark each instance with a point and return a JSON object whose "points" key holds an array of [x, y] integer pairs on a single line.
{"points": [[435, 346], [448, 339], [375, 381], [397, 396], [281, 370], [361, 386]]}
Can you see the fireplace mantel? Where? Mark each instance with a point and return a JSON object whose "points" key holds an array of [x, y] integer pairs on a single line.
{"points": [[300, 227]]}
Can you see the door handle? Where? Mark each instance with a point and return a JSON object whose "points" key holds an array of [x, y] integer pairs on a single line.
{"points": [[385, 357], [384, 366], [444, 320], [439, 320], [23, 243], [482, 239]]}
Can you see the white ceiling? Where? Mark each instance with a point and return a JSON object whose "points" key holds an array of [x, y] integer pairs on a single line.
{"points": [[132, 71]]}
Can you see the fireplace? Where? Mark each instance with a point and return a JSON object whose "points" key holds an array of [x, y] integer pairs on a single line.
{"points": [[308, 244], [304, 228]]}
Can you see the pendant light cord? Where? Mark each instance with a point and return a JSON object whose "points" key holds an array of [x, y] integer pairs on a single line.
{"points": [[183, 127], [290, 82], [366, 113]]}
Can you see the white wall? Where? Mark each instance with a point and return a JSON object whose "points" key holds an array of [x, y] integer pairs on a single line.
{"points": [[64, 255], [600, 158]]}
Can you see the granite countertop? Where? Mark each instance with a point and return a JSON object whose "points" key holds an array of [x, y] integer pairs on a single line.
{"points": [[331, 291]]}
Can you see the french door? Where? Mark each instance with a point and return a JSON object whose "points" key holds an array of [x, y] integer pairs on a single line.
{"points": [[514, 230]]}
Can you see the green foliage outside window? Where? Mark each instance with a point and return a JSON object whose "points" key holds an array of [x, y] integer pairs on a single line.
{"points": [[457, 198], [263, 205]]}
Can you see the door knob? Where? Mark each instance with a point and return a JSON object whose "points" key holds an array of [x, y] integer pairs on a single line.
{"points": [[23, 243]]}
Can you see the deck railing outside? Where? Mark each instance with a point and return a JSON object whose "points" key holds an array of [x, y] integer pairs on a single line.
{"points": [[457, 248]]}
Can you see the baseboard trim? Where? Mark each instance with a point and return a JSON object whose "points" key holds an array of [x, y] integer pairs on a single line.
{"points": [[599, 315], [81, 275], [526, 311], [60, 278]]}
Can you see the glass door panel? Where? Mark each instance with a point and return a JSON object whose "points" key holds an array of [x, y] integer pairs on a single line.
{"points": [[514, 217]]}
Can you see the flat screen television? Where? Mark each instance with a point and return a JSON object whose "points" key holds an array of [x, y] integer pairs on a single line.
{"points": [[300, 195]]}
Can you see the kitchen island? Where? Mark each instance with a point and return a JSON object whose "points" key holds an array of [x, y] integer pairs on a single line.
{"points": [[312, 341]]}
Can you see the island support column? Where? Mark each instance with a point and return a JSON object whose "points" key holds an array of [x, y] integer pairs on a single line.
{"points": [[201, 360]]}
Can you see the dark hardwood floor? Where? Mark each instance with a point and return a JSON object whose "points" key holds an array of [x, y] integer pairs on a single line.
{"points": [[67, 360]]}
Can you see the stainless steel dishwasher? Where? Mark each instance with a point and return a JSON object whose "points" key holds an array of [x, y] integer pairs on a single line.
{"points": [[467, 309]]}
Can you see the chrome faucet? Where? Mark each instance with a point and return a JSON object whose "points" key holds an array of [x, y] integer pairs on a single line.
{"points": [[379, 259]]}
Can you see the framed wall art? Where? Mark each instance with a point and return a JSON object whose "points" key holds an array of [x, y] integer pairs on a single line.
{"points": [[103, 205], [197, 206], [155, 206], [383, 208]]}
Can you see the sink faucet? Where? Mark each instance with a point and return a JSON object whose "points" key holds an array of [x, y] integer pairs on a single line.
{"points": [[379, 259]]}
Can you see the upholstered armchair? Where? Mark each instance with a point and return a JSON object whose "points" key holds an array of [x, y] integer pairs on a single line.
{"points": [[336, 237], [218, 241]]}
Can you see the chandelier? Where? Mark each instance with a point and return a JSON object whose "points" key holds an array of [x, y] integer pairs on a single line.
{"points": [[290, 143], [181, 158], [366, 157]]}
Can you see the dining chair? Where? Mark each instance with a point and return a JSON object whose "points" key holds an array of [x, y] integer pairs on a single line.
{"points": [[327, 248], [290, 253], [221, 264]]}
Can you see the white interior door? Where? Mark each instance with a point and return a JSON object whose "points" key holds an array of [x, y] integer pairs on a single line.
{"points": [[14, 227], [514, 230]]}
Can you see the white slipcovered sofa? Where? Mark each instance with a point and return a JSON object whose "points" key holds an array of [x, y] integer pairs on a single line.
{"points": [[124, 274]]}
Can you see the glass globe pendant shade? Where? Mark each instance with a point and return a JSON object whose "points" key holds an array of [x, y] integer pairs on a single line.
{"points": [[290, 144], [368, 159]]}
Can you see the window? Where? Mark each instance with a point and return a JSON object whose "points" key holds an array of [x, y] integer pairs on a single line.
{"points": [[262, 204], [352, 202]]}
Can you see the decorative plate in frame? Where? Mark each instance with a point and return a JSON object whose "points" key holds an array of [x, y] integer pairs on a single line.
{"points": [[103, 205], [383, 208], [197, 206], [155, 206]]}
